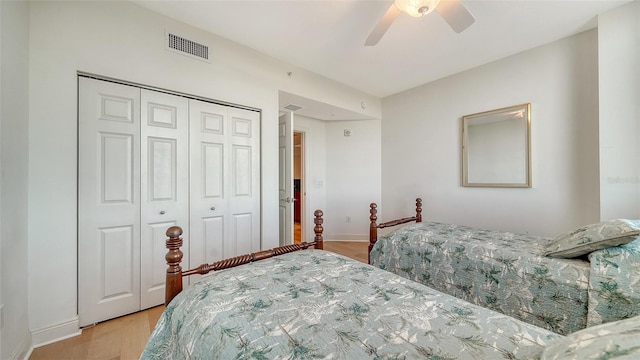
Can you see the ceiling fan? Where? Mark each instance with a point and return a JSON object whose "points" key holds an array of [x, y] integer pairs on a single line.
{"points": [[452, 11]]}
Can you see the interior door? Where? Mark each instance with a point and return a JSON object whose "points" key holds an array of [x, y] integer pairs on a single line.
{"points": [[285, 177], [164, 178], [225, 182], [108, 200]]}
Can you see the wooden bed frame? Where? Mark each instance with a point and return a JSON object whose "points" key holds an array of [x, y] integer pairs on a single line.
{"points": [[173, 284], [374, 226]]}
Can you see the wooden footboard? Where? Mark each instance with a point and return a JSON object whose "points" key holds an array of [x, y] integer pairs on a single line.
{"points": [[173, 284], [374, 226]]}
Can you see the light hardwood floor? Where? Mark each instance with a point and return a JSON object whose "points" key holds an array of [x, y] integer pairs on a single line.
{"points": [[124, 338], [121, 338], [357, 250]]}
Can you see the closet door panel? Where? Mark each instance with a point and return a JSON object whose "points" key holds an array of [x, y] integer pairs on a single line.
{"points": [[210, 247], [118, 279], [108, 200], [244, 195], [240, 238], [214, 231], [163, 170], [241, 172], [117, 178], [155, 245], [212, 170], [209, 181], [165, 185]]}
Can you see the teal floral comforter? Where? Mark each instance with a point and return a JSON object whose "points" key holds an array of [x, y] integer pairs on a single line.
{"points": [[614, 284], [507, 272], [315, 304]]}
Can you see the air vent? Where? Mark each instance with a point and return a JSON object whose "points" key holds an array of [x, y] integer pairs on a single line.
{"points": [[186, 47], [292, 107]]}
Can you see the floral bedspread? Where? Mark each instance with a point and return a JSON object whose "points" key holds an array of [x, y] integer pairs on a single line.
{"points": [[316, 304], [614, 284], [498, 270], [507, 272]]}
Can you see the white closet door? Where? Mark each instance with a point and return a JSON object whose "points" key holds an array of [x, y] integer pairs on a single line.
{"points": [[225, 182], [208, 123], [134, 163], [164, 154], [108, 200], [244, 181]]}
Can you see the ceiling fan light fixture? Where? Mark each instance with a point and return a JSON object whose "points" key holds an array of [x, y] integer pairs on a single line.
{"points": [[417, 8]]}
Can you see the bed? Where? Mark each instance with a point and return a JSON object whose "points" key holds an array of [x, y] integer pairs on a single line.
{"points": [[300, 302], [520, 275]]}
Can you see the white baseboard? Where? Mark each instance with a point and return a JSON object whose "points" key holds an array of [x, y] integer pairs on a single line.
{"points": [[345, 237], [23, 351], [51, 334]]}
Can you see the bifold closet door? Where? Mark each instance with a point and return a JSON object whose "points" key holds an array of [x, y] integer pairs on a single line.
{"points": [[164, 180], [108, 200], [133, 183], [225, 182]]}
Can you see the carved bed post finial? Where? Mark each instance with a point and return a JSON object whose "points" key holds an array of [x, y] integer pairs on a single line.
{"points": [[318, 229], [373, 228], [418, 210], [173, 284]]}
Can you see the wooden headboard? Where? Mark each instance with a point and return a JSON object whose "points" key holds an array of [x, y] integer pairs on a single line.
{"points": [[374, 226], [173, 284]]}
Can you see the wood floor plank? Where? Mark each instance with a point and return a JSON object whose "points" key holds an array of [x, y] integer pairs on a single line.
{"points": [[106, 342], [69, 349], [357, 250], [134, 335]]}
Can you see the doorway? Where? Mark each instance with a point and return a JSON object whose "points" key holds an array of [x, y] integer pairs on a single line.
{"points": [[298, 186]]}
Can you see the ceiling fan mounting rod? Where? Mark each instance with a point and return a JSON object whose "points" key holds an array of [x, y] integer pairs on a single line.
{"points": [[423, 10]]}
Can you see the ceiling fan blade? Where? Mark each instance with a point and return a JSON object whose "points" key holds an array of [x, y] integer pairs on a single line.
{"points": [[382, 25], [455, 14]]}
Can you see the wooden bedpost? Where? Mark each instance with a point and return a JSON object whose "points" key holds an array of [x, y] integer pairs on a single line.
{"points": [[318, 229], [373, 228], [173, 284]]}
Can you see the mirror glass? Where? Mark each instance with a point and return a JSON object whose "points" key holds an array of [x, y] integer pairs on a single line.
{"points": [[496, 148]]}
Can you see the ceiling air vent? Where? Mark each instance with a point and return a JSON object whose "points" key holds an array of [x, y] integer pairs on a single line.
{"points": [[186, 47], [292, 107]]}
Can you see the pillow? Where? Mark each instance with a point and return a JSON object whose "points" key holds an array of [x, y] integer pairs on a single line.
{"points": [[594, 237], [617, 340]]}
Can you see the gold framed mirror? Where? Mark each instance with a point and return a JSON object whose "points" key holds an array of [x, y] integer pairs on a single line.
{"points": [[496, 148]]}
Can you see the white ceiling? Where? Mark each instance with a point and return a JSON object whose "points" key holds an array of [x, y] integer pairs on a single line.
{"points": [[327, 36]]}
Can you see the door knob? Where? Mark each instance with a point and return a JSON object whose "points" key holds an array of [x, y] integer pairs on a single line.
{"points": [[162, 212], [213, 208]]}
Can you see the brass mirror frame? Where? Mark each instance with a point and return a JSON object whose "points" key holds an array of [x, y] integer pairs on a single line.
{"points": [[521, 111]]}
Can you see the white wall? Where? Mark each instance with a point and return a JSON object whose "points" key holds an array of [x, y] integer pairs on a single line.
{"points": [[16, 339], [421, 142], [124, 41], [14, 115], [619, 71], [342, 175], [353, 177]]}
